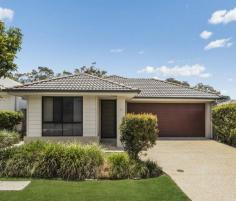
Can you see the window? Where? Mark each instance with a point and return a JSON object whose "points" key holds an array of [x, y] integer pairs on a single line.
{"points": [[62, 116]]}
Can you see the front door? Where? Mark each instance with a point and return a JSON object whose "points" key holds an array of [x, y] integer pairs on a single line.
{"points": [[108, 119]]}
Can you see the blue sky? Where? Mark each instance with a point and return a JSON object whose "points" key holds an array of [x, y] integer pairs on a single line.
{"points": [[135, 38]]}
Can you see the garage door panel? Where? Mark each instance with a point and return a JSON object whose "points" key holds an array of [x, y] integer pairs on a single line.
{"points": [[175, 120]]}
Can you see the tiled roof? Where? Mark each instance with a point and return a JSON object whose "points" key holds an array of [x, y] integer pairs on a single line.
{"points": [[144, 87], [81, 82], [153, 88], [7, 82]]}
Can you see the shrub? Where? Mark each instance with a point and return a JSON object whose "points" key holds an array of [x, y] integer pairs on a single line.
{"points": [[138, 133], [9, 119], [8, 138], [224, 118], [118, 165]]}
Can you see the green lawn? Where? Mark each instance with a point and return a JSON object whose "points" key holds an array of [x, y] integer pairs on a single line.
{"points": [[162, 188]]}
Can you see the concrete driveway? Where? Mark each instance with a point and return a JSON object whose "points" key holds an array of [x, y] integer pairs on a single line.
{"points": [[204, 169]]}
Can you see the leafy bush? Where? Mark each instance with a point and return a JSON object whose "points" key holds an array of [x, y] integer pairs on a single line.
{"points": [[121, 166], [118, 165], [9, 119], [8, 138], [224, 118], [49, 160], [138, 133]]}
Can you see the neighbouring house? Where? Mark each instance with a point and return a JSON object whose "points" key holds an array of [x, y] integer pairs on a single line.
{"points": [[90, 109], [9, 101]]}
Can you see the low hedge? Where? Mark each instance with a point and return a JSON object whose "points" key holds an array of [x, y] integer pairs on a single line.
{"points": [[8, 138], [224, 123], [9, 119]]}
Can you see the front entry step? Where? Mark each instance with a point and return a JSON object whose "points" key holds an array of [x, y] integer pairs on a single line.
{"points": [[108, 141]]}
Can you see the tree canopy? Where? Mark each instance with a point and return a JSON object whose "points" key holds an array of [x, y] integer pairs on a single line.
{"points": [[173, 80], [91, 70], [10, 44], [42, 73], [201, 86]]}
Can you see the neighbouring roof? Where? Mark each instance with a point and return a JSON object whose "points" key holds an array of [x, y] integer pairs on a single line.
{"points": [[80, 82], [7, 83], [153, 88]]}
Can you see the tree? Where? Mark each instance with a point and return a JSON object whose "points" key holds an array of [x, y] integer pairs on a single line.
{"points": [[202, 87], [41, 73], [207, 88], [210, 89], [10, 44], [91, 70], [173, 80], [64, 73]]}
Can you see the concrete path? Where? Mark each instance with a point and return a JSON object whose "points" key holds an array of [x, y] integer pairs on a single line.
{"points": [[13, 185], [204, 169]]}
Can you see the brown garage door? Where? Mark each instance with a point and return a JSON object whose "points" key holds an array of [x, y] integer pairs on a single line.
{"points": [[175, 120]]}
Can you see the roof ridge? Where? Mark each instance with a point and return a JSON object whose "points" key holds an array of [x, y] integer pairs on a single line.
{"points": [[113, 82]]}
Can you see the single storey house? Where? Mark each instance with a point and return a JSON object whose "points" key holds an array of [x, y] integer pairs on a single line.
{"points": [[8, 101], [90, 109]]}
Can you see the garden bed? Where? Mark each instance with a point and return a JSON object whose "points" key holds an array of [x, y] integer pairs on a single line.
{"points": [[71, 162]]}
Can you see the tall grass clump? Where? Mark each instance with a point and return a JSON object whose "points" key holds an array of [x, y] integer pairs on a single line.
{"points": [[80, 162]]}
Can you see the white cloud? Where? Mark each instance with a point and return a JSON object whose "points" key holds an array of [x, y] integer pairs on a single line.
{"points": [[205, 34], [141, 52], [223, 16], [225, 42], [230, 79], [118, 50], [148, 69], [196, 70], [6, 14]]}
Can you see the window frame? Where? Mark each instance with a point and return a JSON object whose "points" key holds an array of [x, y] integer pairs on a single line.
{"points": [[61, 122]]}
